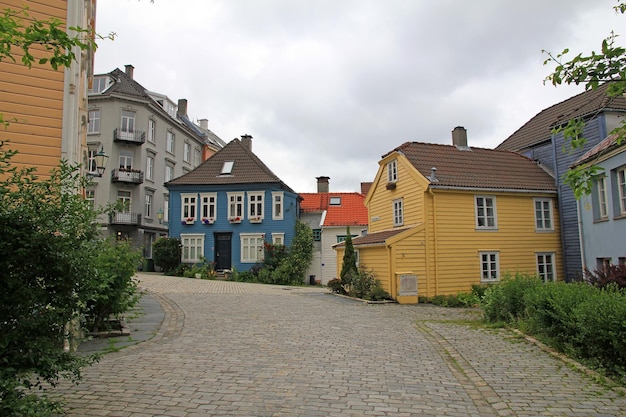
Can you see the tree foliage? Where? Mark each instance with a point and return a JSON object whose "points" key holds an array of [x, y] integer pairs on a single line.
{"points": [[592, 70], [166, 253], [349, 270]]}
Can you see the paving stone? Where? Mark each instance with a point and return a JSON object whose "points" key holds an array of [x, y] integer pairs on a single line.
{"points": [[221, 348]]}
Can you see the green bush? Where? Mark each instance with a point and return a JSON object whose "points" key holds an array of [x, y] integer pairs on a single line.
{"points": [[114, 291], [336, 286], [166, 253], [377, 293], [504, 302]]}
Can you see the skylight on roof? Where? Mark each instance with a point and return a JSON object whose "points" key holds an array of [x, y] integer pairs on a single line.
{"points": [[227, 169], [335, 201]]}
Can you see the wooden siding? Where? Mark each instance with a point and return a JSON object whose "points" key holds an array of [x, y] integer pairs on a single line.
{"points": [[32, 99]]}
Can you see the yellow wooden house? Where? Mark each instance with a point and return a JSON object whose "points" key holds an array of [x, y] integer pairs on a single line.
{"points": [[445, 217]]}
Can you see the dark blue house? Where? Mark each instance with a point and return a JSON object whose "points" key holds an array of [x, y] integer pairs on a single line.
{"points": [[535, 140], [229, 206]]}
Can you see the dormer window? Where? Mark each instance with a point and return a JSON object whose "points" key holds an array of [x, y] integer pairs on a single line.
{"points": [[227, 168], [100, 84], [335, 201], [392, 171]]}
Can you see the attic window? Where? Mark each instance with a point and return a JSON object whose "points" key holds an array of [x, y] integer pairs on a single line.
{"points": [[227, 169], [335, 201]]}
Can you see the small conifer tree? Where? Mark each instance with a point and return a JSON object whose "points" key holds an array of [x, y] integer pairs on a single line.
{"points": [[349, 271]]}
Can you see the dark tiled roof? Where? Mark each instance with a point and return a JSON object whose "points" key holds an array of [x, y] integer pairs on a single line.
{"points": [[477, 168], [377, 238], [247, 169], [126, 85], [538, 129]]}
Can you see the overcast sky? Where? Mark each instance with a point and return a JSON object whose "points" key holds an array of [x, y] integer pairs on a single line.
{"points": [[326, 87]]}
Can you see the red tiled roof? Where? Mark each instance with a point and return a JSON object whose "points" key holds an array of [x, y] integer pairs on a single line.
{"points": [[477, 168], [351, 211], [538, 129], [609, 143]]}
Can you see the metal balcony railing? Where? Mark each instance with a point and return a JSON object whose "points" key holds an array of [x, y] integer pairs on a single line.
{"points": [[127, 218], [137, 137], [127, 176]]}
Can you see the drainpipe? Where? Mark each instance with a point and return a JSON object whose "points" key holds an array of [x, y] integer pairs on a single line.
{"points": [[392, 276], [430, 190], [559, 194], [583, 256]]}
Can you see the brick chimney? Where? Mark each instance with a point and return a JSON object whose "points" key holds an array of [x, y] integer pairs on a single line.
{"points": [[322, 184], [182, 107], [365, 187], [246, 140], [459, 136], [129, 69]]}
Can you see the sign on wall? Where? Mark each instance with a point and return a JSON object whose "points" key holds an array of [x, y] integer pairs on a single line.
{"points": [[407, 284]]}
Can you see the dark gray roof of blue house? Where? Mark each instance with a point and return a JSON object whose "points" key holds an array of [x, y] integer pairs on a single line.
{"points": [[247, 168]]}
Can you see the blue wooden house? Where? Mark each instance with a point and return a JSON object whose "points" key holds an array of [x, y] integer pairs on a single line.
{"points": [[229, 206], [536, 140]]}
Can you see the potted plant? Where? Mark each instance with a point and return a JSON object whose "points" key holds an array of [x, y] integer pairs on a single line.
{"points": [[234, 219], [207, 220]]}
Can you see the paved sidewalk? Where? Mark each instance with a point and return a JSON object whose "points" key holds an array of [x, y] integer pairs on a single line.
{"points": [[234, 349]]}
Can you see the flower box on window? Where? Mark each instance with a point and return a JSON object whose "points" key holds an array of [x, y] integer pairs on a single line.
{"points": [[235, 219], [208, 220], [256, 219], [188, 220]]}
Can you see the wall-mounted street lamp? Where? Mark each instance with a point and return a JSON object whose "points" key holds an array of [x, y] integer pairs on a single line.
{"points": [[101, 160], [160, 215]]}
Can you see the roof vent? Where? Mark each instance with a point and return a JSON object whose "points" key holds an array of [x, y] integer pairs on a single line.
{"points": [[432, 177]]}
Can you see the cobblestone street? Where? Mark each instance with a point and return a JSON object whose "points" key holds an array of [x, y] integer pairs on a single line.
{"points": [[235, 349]]}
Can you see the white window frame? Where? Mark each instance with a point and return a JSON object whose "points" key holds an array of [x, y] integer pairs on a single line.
{"points": [[278, 239], [546, 266], [485, 216], [169, 172], [170, 142], [252, 249], [99, 84], [544, 220], [603, 207], [91, 160], [150, 167], [256, 204], [127, 124], [126, 198], [93, 125], [148, 205], [235, 205], [186, 152], [392, 171], [151, 130], [489, 266], [278, 205], [188, 206], [192, 247], [398, 212], [126, 159], [208, 206], [621, 190], [166, 210], [196, 156], [90, 197]]}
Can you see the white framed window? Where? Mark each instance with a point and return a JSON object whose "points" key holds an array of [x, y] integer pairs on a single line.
{"points": [[602, 198], [126, 159], [169, 172], [188, 204], [196, 156], [166, 210], [392, 171], [252, 249], [208, 205], [278, 238], [90, 196], [546, 267], [99, 84], [91, 160], [192, 247], [151, 130], [186, 152], [125, 198], [621, 190], [128, 124], [170, 142], [235, 205], [486, 212], [148, 205], [94, 122], [543, 214], [277, 205], [255, 204], [398, 212], [489, 266], [150, 167]]}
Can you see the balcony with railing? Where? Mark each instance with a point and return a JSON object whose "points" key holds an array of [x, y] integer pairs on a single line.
{"points": [[128, 176], [136, 137], [125, 218]]}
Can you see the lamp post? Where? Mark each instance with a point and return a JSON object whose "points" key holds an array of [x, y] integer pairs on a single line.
{"points": [[160, 215], [101, 161]]}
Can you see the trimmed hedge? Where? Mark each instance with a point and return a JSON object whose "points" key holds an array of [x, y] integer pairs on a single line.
{"points": [[583, 321]]}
